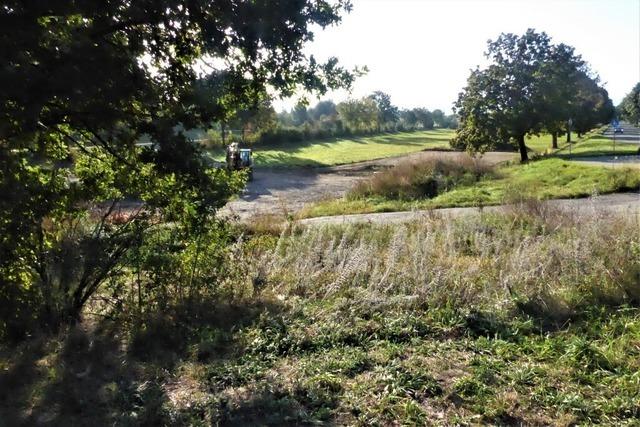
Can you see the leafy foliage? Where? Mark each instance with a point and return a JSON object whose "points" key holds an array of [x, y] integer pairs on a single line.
{"points": [[83, 84], [630, 105], [530, 86]]}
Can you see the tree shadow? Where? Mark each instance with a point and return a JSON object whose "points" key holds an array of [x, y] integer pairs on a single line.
{"points": [[268, 408], [17, 379], [106, 376], [89, 377]]}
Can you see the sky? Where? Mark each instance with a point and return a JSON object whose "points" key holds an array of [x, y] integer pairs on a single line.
{"points": [[421, 51]]}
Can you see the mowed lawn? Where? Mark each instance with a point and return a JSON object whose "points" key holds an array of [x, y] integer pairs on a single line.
{"points": [[351, 150], [339, 151]]}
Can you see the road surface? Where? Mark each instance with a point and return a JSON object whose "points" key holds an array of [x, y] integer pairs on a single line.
{"points": [[621, 202], [631, 134]]}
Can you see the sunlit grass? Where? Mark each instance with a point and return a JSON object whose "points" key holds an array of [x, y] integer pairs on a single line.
{"points": [[339, 151]]}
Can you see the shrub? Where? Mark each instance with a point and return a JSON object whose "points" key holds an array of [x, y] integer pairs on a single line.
{"points": [[413, 180]]}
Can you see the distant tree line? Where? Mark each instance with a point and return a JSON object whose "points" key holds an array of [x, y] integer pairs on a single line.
{"points": [[364, 116]]}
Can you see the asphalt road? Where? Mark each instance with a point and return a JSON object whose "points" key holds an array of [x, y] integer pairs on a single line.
{"points": [[631, 134], [628, 203]]}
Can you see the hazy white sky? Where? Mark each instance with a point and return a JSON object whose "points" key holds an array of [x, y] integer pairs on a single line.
{"points": [[421, 51]]}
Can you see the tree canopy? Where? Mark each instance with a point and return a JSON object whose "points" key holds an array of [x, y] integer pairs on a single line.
{"points": [[82, 83], [531, 85], [630, 105]]}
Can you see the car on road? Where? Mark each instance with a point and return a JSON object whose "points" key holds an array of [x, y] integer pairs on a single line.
{"points": [[618, 130]]}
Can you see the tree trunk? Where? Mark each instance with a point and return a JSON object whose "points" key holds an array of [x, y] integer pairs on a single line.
{"points": [[568, 136], [524, 157], [223, 129], [554, 140]]}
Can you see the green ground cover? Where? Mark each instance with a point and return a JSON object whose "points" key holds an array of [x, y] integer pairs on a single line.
{"points": [[548, 178]]}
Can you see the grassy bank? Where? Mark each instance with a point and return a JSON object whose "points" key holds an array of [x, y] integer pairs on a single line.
{"points": [[512, 319], [550, 178], [350, 150]]}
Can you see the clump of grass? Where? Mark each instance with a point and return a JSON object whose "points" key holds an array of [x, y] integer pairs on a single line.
{"points": [[425, 179]]}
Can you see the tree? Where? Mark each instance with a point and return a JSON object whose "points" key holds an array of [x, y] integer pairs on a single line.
{"points": [[409, 118], [562, 73], [85, 81], [359, 114], [516, 94], [438, 118], [630, 105], [323, 109], [424, 117], [387, 112], [591, 105], [299, 114], [260, 117]]}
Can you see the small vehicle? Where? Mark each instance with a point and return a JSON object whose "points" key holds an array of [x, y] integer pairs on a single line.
{"points": [[239, 159], [618, 130]]}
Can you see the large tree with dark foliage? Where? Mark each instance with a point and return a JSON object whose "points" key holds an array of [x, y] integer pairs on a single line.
{"points": [[82, 82], [630, 105], [531, 85]]}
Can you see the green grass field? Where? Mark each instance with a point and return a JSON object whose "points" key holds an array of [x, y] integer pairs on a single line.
{"points": [[549, 178], [340, 151], [350, 150]]}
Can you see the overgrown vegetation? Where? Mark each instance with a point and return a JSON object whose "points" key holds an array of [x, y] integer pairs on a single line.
{"points": [[521, 318], [426, 179], [83, 83], [547, 178]]}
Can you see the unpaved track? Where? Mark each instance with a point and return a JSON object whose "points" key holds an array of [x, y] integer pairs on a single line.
{"points": [[628, 203], [282, 191]]}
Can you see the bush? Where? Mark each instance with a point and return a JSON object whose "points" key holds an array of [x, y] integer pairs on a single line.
{"points": [[412, 180]]}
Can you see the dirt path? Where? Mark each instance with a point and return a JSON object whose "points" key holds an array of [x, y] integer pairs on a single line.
{"points": [[621, 202], [288, 190]]}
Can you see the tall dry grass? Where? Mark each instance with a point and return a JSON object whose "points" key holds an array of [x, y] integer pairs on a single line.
{"points": [[535, 260], [412, 179]]}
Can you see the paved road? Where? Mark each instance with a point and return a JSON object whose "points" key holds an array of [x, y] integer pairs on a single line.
{"points": [[278, 191], [631, 134], [621, 202]]}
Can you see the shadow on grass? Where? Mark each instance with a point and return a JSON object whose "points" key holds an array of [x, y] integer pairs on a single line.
{"points": [[105, 376]]}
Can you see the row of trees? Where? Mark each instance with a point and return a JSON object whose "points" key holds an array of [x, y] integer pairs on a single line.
{"points": [[371, 114], [629, 108], [531, 86]]}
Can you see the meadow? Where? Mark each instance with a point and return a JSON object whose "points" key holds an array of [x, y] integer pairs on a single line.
{"points": [[517, 318]]}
